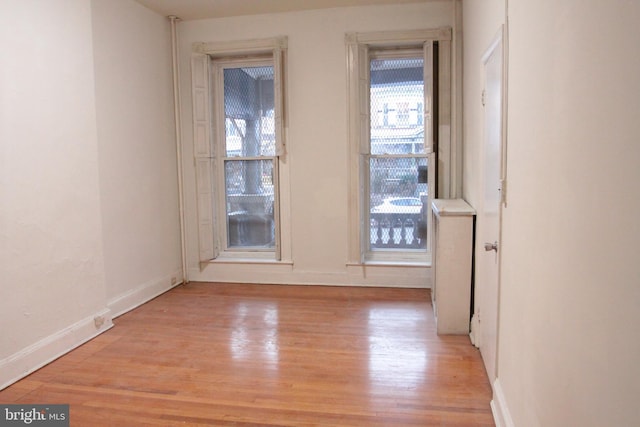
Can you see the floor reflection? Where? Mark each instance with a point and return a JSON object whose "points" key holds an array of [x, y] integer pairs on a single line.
{"points": [[254, 335], [397, 352]]}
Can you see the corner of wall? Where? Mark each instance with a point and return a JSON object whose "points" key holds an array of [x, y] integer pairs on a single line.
{"points": [[147, 291]]}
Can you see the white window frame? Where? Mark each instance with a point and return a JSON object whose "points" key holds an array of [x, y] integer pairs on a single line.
{"points": [[209, 150], [359, 46]]}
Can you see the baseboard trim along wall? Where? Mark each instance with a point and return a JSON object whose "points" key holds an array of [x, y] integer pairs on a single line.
{"points": [[403, 276], [37, 355], [143, 293], [501, 414]]}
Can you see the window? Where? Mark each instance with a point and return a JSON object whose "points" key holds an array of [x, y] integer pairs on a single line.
{"points": [[243, 101], [238, 108], [398, 98], [396, 152]]}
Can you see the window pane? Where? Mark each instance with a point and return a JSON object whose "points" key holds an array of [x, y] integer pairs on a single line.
{"points": [[249, 199], [398, 203], [249, 111], [397, 106]]}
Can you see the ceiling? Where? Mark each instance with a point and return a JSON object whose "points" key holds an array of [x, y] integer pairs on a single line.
{"points": [[204, 9]]}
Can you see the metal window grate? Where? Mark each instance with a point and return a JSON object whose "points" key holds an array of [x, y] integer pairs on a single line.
{"points": [[250, 151], [396, 199]]}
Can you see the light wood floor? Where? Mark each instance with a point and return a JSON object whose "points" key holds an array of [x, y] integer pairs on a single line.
{"points": [[258, 355]]}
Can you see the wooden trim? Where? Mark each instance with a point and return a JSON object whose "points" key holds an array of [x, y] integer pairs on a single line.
{"points": [[499, 408], [240, 47], [399, 38]]}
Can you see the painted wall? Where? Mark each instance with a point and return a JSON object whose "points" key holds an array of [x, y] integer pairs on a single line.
{"points": [[51, 256], [137, 154], [481, 23], [88, 184], [317, 137], [569, 288]]}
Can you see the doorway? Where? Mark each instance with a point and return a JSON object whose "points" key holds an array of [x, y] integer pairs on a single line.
{"points": [[487, 284]]}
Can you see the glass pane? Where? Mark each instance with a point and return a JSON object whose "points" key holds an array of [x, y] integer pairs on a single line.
{"points": [[398, 203], [397, 106], [249, 114], [249, 200]]}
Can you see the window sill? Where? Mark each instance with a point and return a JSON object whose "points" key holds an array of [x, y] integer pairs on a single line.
{"points": [[380, 263], [248, 260], [395, 258]]}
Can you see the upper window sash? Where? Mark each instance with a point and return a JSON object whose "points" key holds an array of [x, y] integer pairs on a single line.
{"points": [[425, 50], [276, 48]]}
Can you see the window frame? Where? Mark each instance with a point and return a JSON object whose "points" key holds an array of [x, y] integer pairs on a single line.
{"points": [[437, 124], [221, 158], [210, 152]]}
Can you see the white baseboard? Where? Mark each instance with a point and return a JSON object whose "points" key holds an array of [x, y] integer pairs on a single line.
{"points": [[501, 414], [37, 355], [286, 274], [143, 293]]}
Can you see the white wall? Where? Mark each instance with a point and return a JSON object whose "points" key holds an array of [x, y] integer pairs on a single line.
{"points": [[51, 258], [88, 185], [568, 353], [481, 24], [136, 144], [317, 137]]}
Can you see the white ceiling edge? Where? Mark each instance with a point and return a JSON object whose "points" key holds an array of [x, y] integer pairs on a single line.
{"points": [[188, 10]]}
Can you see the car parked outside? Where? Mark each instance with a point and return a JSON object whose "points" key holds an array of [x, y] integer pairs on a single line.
{"points": [[399, 205]]}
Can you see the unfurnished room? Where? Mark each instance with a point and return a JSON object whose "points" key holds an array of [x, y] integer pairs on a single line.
{"points": [[319, 213]]}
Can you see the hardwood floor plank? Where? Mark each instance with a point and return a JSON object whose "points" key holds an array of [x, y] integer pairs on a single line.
{"points": [[263, 355]]}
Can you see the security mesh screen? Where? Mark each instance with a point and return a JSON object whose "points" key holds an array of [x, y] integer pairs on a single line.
{"points": [[398, 203], [248, 109], [397, 198], [397, 106], [250, 147], [249, 190]]}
